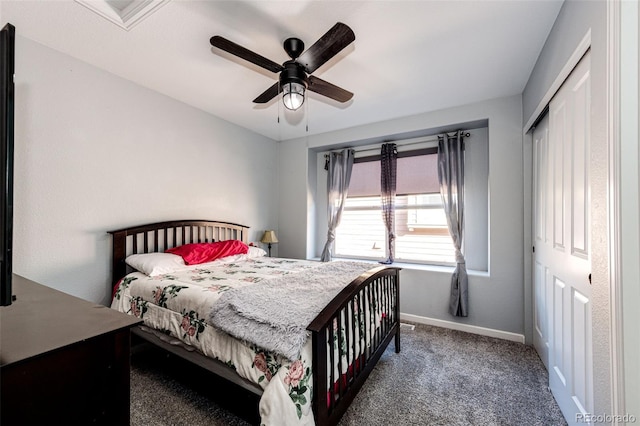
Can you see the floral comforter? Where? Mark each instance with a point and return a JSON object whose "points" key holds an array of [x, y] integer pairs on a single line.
{"points": [[177, 304]]}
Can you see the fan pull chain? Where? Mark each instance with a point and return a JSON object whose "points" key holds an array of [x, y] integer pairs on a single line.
{"points": [[279, 103]]}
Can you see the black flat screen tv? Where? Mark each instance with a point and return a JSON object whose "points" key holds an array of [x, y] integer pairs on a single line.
{"points": [[7, 57]]}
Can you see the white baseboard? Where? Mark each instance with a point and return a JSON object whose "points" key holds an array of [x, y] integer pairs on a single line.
{"points": [[506, 335]]}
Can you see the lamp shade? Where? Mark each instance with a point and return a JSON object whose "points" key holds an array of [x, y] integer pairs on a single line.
{"points": [[269, 237]]}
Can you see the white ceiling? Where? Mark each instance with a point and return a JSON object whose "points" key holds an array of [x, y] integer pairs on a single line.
{"points": [[409, 57]]}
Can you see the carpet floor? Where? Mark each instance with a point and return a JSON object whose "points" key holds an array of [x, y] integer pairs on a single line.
{"points": [[440, 377]]}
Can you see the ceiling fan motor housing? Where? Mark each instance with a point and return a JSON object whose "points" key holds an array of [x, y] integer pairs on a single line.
{"points": [[293, 72]]}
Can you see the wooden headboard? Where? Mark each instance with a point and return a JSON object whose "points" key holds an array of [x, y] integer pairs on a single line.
{"points": [[158, 237]]}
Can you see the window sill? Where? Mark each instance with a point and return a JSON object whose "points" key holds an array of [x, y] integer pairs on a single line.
{"points": [[416, 266]]}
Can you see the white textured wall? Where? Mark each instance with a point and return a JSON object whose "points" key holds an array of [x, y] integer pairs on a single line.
{"points": [[575, 19], [94, 152], [496, 298], [629, 198]]}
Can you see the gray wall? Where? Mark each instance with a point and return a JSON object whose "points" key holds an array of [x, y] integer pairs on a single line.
{"points": [[94, 152], [572, 23], [496, 296], [575, 19]]}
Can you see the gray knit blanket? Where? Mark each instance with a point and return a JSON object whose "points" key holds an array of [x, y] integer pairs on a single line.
{"points": [[274, 314]]}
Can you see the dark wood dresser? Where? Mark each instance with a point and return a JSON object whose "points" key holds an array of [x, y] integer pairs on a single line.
{"points": [[63, 360]]}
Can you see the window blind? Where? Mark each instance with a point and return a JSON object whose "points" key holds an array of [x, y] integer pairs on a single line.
{"points": [[415, 175]]}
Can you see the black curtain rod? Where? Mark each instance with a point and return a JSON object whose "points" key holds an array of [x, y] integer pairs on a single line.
{"points": [[465, 134], [423, 151]]}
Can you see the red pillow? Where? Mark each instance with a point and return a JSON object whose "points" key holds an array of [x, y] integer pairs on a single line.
{"points": [[196, 253]]}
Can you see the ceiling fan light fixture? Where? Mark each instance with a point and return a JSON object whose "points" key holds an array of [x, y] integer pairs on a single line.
{"points": [[293, 95]]}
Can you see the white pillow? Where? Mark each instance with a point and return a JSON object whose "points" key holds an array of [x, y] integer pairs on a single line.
{"points": [[252, 253], [255, 252], [155, 263]]}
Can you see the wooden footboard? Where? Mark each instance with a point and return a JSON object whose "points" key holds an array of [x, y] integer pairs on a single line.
{"points": [[349, 337]]}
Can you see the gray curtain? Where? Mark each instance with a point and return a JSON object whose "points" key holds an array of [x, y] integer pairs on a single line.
{"points": [[451, 178], [388, 168], [339, 165]]}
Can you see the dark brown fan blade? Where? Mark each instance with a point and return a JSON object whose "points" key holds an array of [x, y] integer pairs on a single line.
{"points": [[336, 39], [268, 94], [329, 90], [246, 54]]}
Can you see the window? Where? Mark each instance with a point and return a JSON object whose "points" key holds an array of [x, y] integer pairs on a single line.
{"points": [[421, 229]]}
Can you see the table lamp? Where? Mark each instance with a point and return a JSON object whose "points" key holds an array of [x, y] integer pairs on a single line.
{"points": [[269, 238]]}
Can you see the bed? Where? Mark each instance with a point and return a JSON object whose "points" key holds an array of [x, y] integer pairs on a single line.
{"points": [[343, 340]]}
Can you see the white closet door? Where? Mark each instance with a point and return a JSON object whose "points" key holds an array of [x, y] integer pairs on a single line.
{"points": [[562, 247], [542, 290]]}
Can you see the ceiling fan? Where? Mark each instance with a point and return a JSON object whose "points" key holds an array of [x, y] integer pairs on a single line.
{"points": [[295, 73]]}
